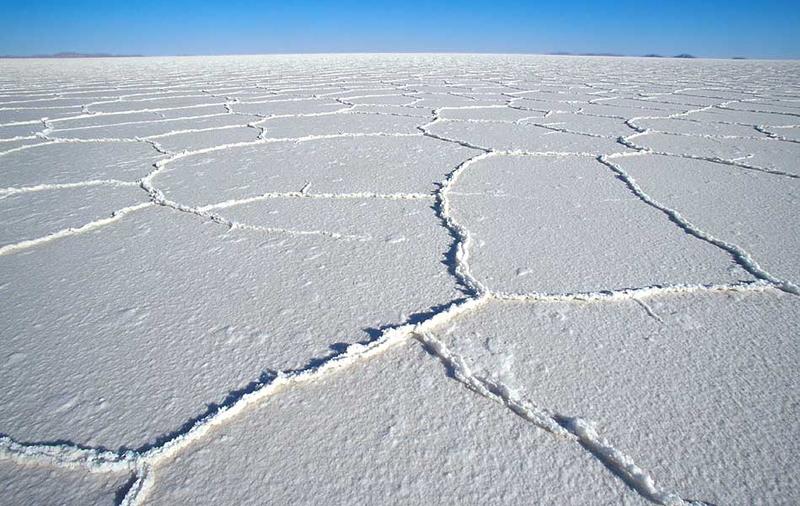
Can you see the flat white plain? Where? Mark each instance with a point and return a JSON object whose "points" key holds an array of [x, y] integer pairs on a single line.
{"points": [[438, 279]]}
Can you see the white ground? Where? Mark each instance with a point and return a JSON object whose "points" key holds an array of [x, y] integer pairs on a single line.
{"points": [[399, 279]]}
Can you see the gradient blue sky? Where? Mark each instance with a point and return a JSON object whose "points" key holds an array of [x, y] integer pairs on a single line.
{"points": [[708, 28]]}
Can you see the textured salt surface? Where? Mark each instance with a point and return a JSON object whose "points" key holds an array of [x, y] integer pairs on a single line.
{"points": [[421, 279]]}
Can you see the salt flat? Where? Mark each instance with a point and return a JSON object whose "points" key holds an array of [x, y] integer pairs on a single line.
{"points": [[403, 279]]}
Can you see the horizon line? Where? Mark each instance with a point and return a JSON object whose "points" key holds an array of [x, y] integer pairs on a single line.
{"points": [[74, 55]]}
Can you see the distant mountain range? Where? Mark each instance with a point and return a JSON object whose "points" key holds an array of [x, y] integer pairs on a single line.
{"points": [[73, 55], [69, 54], [651, 55]]}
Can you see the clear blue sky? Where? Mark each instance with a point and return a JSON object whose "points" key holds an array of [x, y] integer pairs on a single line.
{"points": [[712, 28]]}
